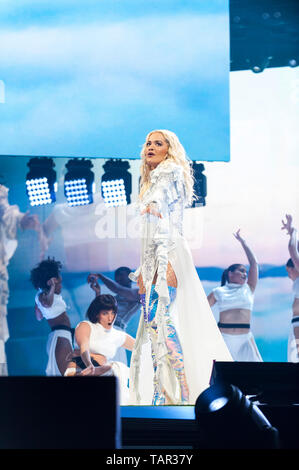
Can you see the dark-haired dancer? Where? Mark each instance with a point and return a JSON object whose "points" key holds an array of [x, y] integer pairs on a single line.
{"points": [[235, 302], [128, 301], [98, 342], [292, 267], [50, 305]]}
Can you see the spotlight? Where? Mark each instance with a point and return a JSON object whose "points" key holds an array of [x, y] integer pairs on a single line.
{"points": [[116, 183], [226, 419], [257, 69], [260, 64], [79, 182], [41, 183], [293, 63], [200, 184]]}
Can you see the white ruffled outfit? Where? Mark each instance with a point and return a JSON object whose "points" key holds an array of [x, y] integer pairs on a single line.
{"points": [[199, 337], [9, 224], [292, 342]]}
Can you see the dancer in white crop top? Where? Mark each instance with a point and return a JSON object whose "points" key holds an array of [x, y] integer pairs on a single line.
{"points": [[98, 341], [292, 267], [50, 305], [58, 306], [234, 300], [233, 295]]}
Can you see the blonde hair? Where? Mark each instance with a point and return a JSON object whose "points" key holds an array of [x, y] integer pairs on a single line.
{"points": [[177, 154]]}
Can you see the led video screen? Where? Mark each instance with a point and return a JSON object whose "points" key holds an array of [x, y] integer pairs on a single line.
{"points": [[91, 78]]}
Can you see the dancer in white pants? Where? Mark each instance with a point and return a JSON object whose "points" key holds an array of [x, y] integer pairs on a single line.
{"points": [[235, 302], [50, 305]]}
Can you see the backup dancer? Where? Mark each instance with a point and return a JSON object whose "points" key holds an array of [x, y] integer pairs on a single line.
{"points": [[177, 338], [292, 268], [128, 301], [50, 305], [235, 302], [98, 342]]}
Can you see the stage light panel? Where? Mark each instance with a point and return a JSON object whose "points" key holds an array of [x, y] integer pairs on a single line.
{"points": [[41, 185], [79, 182], [116, 183]]}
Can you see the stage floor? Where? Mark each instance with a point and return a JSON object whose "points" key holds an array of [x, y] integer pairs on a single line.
{"points": [[175, 426], [158, 427], [158, 412]]}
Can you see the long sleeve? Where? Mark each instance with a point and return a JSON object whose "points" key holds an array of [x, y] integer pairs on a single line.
{"points": [[167, 187], [167, 194]]}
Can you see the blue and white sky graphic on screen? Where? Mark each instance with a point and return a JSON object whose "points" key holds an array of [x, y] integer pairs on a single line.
{"points": [[92, 78]]}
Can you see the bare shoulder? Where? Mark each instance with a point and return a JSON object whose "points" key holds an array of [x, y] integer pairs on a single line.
{"points": [[83, 327]]}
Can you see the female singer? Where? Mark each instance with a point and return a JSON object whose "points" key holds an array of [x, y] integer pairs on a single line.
{"points": [[177, 338]]}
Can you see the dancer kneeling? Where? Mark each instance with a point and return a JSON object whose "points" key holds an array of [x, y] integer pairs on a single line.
{"points": [[98, 341]]}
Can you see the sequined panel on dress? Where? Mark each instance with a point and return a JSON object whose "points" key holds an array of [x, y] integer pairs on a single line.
{"points": [[174, 350]]}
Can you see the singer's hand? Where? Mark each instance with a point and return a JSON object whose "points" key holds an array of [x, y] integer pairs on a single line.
{"points": [[151, 210]]}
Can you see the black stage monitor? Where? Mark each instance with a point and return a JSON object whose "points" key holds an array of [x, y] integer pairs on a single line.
{"points": [[59, 413], [270, 382]]}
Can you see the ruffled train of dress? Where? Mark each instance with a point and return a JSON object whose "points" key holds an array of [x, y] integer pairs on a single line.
{"points": [[198, 333]]}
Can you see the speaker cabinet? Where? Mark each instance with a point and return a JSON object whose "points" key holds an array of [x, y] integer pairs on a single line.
{"points": [[59, 413], [271, 382]]}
